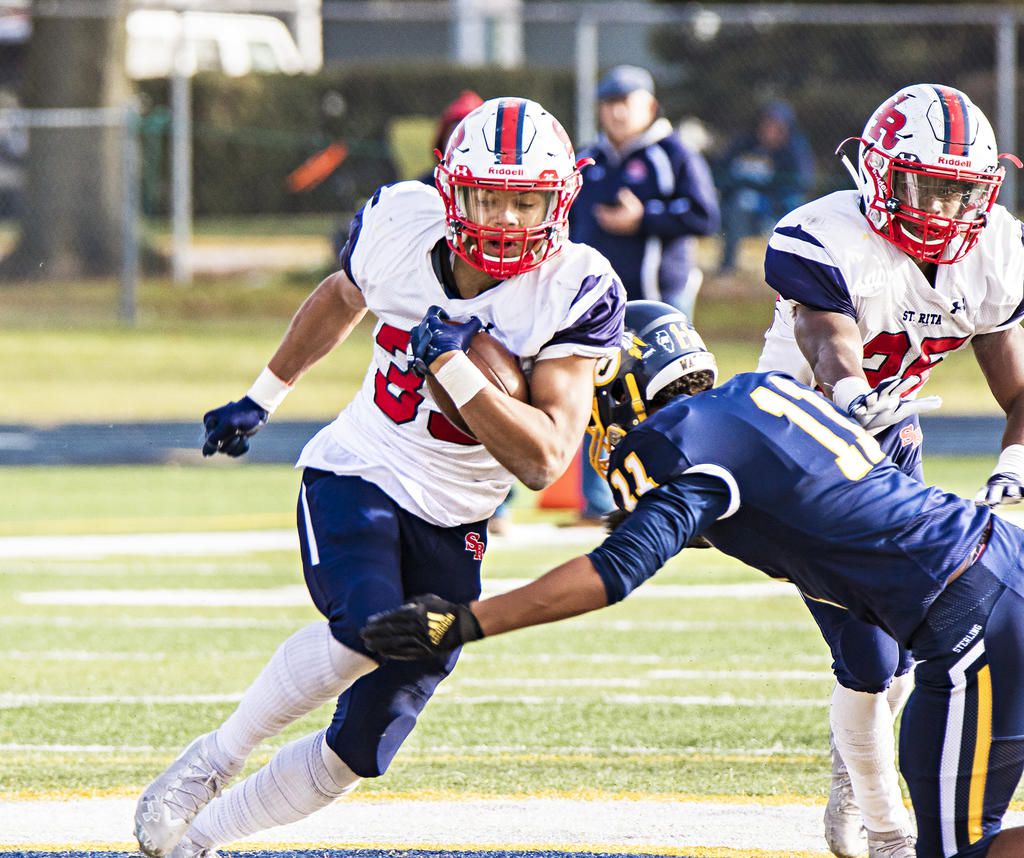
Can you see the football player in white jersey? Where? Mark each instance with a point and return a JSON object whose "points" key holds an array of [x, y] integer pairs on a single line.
{"points": [[875, 287], [394, 499]]}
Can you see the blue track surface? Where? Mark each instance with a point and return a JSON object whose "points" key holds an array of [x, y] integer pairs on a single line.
{"points": [[348, 853], [281, 441]]}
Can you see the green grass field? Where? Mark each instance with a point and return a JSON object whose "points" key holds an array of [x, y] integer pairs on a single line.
{"points": [[198, 346], [665, 694], [112, 663]]}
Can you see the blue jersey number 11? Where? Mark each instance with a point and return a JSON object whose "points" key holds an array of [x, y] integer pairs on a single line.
{"points": [[806, 410]]}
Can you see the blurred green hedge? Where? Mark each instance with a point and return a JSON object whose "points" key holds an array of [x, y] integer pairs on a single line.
{"points": [[250, 133]]}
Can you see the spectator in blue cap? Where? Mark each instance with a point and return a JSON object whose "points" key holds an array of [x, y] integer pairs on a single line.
{"points": [[644, 201], [647, 196], [762, 175], [622, 80]]}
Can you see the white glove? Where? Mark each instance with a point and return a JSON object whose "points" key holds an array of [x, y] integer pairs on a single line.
{"points": [[1006, 485], [882, 405]]}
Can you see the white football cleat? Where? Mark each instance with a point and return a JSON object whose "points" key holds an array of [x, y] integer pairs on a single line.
{"points": [[187, 849], [891, 844], [169, 804], [844, 829]]}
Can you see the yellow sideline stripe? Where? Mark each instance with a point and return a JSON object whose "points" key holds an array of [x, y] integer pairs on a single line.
{"points": [[982, 745], [449, 849], [384, 796]]}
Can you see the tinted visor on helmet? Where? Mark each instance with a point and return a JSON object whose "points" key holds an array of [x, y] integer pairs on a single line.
{"points": [[946, 196], [485, 205], [506, 224]]}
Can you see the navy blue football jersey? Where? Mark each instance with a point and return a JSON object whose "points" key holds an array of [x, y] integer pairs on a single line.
{"points": [[808, 497]]}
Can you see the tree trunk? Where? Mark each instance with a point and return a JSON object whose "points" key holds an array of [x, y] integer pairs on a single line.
{"points": [[71, 224]]}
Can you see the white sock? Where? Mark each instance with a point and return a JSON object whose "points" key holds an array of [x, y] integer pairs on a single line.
{"points": [[302, 777], [862, 727], [898, 692], [309, 669]]}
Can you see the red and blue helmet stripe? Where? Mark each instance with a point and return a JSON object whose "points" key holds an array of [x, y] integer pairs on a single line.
{"points": [[957, 132], [508, 134]]}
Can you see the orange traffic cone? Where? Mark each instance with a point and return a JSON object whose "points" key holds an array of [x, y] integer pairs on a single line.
{"points": [[567, 491]]}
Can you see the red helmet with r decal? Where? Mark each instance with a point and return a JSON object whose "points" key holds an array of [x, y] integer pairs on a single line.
{"points": [[928, 172]]}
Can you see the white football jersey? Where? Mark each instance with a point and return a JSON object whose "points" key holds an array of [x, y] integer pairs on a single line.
{"points": [[392, 434], [825, 256]]}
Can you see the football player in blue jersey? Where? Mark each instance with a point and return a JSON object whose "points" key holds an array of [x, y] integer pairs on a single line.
{"points": [[877, 285], [772, 473]]}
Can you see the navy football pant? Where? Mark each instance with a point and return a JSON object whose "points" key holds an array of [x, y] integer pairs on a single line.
{"points": [[864, 658], [362, 553], [962, 740]]}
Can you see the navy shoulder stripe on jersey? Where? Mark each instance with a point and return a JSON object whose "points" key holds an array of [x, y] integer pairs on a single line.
{"points": [[798, 267], [601, 325]]}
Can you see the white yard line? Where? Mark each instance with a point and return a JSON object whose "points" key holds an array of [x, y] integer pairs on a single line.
{"points": [[64, 622], [18, 701], [232, 542], [294, 596], [235, 541], [482, 823], [434, 750], [477, 823], [148, 544], [264, 597], [638, 680]]}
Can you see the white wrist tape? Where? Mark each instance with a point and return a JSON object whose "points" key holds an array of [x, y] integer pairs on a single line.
{"points": [[461, 379], [848, 389], [268, 391], [1011, 461]]}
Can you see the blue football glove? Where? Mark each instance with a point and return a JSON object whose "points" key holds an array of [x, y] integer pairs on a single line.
{"points": [[884, 405], [423, 627], [229, 427], [436, 335], [1001, 489]]}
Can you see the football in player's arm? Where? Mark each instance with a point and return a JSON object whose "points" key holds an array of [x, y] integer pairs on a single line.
{"points": [[394, 498], [778, 477], [876, 287]]}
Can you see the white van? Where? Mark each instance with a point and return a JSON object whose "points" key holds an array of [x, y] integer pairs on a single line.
{"points": [[235, 44]]}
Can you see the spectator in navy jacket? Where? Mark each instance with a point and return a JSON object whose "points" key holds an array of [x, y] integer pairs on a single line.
{"points": [[647, 196], [764, 174]]}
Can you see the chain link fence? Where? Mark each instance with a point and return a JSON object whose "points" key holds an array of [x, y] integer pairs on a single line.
{"points": [[193, 156]]}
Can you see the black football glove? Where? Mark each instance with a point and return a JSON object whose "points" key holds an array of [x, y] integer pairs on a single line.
{"points": [[437, 334], [423, 627], [228, 429]]}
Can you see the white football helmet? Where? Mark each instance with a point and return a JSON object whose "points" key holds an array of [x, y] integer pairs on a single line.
{"points": [[928, 172], [508, 178]]}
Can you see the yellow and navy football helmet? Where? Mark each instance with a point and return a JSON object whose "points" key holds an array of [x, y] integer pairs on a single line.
{"points": [[661, 356]]}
